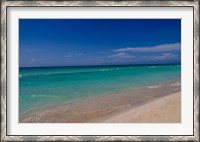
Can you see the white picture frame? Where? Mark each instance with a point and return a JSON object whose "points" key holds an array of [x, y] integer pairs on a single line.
{"points": [[22, 131]]}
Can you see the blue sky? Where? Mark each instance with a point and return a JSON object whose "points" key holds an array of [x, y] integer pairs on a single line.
{"points": [[75, 42]]}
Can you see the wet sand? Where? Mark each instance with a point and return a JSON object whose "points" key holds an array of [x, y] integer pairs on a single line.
{"points": [[147, 105]]}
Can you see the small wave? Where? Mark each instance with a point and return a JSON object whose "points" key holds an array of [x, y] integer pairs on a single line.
{"points": [[72, 72], [104, 70], [110, 69], [154, 86], [59, 73], [176, 84], [47, 74], [43, 96], [152, 66]]}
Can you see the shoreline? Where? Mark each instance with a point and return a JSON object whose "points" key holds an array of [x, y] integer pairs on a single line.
{"points": [[105, 109]]}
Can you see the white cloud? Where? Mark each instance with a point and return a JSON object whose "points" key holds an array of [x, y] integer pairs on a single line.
{"points": [[103, 52], [29, 50], [79, 54], [120, 55], [32, 61], [68, 56], [164, 56], [158, 48], [98, 57]]}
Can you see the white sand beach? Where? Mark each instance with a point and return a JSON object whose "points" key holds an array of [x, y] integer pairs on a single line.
{"points": [[163, 110]]}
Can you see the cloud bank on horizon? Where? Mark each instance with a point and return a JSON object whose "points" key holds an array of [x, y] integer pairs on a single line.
{"points": [[157, 48], [163, 52], [99, 42]]}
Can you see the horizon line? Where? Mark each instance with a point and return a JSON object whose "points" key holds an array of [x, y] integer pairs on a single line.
{"points": [[101, 65]]}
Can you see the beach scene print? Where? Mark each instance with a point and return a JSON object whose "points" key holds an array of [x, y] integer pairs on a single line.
{"points": [[99, 71]]}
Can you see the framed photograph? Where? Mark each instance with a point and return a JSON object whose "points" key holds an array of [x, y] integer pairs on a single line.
{"points": [[99, 70]]}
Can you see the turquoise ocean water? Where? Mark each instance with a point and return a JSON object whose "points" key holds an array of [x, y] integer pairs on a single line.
{"points": [[43, 87]]}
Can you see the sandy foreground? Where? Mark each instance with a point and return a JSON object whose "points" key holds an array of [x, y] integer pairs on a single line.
{"points": [[156, 104], [163, 110]]}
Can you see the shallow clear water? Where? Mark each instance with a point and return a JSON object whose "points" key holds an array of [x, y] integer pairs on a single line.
{"points": [[43, 87]]}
